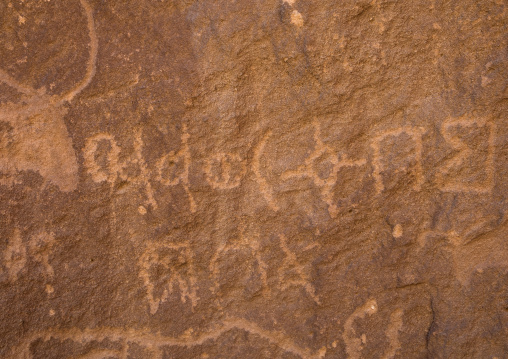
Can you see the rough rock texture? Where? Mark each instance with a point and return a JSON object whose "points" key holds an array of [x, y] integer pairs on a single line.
{"points": [[253, 179]]}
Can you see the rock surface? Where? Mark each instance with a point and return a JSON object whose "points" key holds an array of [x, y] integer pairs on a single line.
{"points": [[253, 179]]}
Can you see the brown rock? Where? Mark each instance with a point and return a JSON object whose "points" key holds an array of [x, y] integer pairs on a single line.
{"points": [[242, 179]]}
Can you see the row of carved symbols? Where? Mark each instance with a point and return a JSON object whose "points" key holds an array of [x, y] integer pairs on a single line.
{"points": [[175, 270], [225, 171]]}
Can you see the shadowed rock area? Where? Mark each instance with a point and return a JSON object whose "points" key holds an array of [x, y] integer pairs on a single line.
{"points": [[253, 179]]}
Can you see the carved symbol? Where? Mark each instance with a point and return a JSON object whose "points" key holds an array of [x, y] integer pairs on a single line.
{"points": [[416, 135], [102, 172], [323, 154], [39, 248], [42, 143], [291, 268], [15, 256], [462, 160], [260, 179], [155, 342], [173, 168], [166, 265], [242, 244], [353, 344], [229, 172]]}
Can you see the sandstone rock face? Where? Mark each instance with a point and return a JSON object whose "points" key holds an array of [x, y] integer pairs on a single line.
{"points": [[253, 179]]}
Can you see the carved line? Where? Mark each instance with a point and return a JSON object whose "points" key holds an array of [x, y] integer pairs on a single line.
{"points": [[354, 345], [393, 334], [256, 166], [94, 46], [184, 155], [138, 148], [15, 256], [147, 339], [10, 81]]}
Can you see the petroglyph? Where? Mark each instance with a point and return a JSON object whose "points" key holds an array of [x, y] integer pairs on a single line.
{"points": [[264, 187], [144, 177], [353, 343], [487, 249], [462, 159], [225, 170], [39, 140], [323, 153], [165, 266], [100, 172], [39, 248], [157, 341], [292, 273], [173, 168], [15, 256], [416, 135], [244, 243], [392, 333]]}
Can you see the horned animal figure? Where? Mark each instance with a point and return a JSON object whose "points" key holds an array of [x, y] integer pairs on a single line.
{"points": [[38, 139]]}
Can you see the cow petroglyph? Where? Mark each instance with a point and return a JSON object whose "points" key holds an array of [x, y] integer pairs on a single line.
{"points": [[39, 140]]}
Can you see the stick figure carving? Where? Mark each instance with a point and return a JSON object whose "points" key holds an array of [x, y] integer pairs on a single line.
{"points": [[38, 139]]}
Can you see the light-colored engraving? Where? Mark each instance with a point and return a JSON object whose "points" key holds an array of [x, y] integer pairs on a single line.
{"points": [[174, 267], [168, 172], [292, 273], [322, 153], [39, 248], [110, 171], [39, 140], [149, 340], [260, 179], [474, 250], [15, 256], [392, 333], [464, 153], [416, 134], [243, 243], [353, 343], [225, 177], [144, 176]]}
